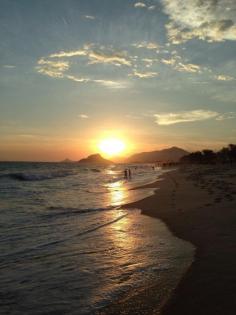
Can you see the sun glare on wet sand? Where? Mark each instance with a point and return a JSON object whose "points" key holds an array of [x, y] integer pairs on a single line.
{"points": [[111, 146]]}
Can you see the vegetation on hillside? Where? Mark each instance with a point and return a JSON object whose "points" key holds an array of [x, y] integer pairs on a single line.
{"points": [[225, 155]]}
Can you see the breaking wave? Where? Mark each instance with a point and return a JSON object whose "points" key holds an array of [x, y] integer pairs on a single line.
{"points": [[36, 176]]}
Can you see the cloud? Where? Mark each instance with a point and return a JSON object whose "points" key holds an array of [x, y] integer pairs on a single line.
{"points": [[147, 45], [77, 79], [96, 56], [149, 62], [143, 5], [111, 57], [51, 68], [140, 5], [222, 77], [72, 53], [112, 84], [54, 67], [170, 61], [83, 116], [144, 75], [189, 67], [230, 115], [152, 7], [186, 116], [210, 20], [9, 66], [89, 17], [107, 83], [180, 66]]}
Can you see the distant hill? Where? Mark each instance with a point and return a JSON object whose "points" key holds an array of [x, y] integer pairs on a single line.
{"points": [[173, 154], [95, 159], [67, 161]]}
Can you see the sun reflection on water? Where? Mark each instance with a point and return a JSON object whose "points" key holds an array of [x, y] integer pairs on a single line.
{"points": [[118, 193], [119, 233]]}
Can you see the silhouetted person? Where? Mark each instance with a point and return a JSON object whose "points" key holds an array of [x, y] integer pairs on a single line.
{"points": [[126, 173], [129, 173]]}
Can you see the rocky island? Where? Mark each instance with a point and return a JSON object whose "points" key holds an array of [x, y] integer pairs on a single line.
{"points": [[95, 159]]}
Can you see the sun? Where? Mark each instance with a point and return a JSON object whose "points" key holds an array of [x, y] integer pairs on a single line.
{"points": [[111, 146]]}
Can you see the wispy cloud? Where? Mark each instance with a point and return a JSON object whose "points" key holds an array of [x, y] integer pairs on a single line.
{"points": [[9, 66], [145, 75], [54, 67], [51, 68], [96, 55], [147, 45], [206, 20], [185, 116], [230, 115], [112, 84], [149, 62], [114, 58], [107, 83], [222, 77], [170, 61], [72, 53], [180, 65], [143, 5], [152, 7], [189, 67], [140, 5], [89, 17], [77, 79], [83, 116]]}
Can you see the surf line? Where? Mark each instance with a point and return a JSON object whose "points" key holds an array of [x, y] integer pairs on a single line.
{"points": [[45, 245], [102, 225]]}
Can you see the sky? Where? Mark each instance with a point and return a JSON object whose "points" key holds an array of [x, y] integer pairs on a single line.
{"points": [[155, 73]]}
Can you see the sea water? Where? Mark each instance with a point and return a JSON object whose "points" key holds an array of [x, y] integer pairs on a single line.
{"points": [[68, 245]]}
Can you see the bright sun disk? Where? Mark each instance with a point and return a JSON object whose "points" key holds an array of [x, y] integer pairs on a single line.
{"points": [[111, 146]]}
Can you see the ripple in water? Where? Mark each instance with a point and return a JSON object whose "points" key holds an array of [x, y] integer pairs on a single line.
{"points": [[67, 250]]}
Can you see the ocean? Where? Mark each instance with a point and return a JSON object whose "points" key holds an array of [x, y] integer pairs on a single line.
{"points": [[68, 244]]}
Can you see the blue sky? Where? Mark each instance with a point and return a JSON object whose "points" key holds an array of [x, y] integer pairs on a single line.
{"points": [[157, 73]]}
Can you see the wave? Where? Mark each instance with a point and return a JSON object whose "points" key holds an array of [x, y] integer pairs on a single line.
{"points": [[47, 245], [30, 176], [35, 176], [60, 211]]}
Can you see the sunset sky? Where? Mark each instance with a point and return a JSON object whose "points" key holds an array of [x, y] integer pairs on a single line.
{"points": [[154, 73]]}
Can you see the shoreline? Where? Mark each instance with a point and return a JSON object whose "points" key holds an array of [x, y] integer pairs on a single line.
{"points": [[197, 205]]}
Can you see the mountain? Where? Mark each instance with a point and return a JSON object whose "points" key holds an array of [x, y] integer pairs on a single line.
{"points": [[67, 161], [173, 154], [95, 159]]}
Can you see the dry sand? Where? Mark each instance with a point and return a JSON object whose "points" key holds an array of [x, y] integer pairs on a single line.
{"points": [[199, 205]]}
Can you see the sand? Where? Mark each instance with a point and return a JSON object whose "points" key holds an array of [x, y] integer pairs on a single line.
{"points": [[198, 204]]}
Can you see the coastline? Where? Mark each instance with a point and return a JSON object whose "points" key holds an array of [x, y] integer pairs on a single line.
{"points": [[198, 205]]}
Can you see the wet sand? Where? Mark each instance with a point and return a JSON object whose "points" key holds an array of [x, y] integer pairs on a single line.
{"points": [[198, 204]]}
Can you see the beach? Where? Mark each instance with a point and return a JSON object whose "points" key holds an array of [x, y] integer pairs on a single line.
{"points": [[198, 205], [69, 245]]}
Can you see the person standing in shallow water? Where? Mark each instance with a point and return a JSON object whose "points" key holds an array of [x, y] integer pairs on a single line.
{"points": [[130, 175], [127, 173]]}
